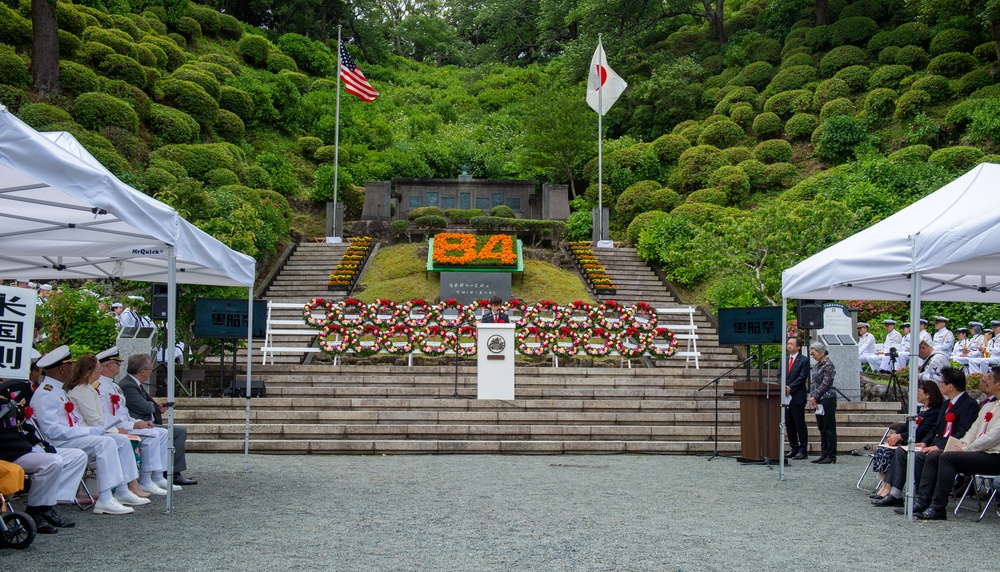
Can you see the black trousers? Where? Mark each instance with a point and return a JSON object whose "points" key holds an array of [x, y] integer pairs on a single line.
{"points": [[827, 425], [954, 462], [795, 425], [897, 471]]}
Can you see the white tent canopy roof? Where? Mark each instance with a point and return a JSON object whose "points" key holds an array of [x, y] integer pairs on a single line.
{"points": [[951, 237], [63, 215]]}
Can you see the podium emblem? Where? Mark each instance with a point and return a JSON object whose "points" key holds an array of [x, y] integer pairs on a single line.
{"points": [[496, 344]]}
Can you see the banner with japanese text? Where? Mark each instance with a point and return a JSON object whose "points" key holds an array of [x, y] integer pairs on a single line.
{"points": [[17, 331]]}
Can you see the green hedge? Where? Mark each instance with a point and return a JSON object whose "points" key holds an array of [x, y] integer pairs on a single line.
{"points": [[888, 76], [502, 211], [839, 139], [788, 103], [206, 80], [911, 103], [912, 154], [431, 222], [773, 151], [221, 177], [912, 56], [69, 44], [462, 216], [756, 75], [829, 90], [956, 159], [220, 72], [695, 166], [311, 56], [192, 99], [189, 28], [42, 116], [640, 223], [230, 27], [952, 64], [175, 55], [13, 69], [668, 148], [425, 211], [952, 40], [14, 28], [767, 124], [734, 155], [223, 60], [171, 125], [117, 40], [238, 101], [254, 49], [117, 66], [975, 79], [801, 126], [722, 134], [229, 126], [835, 107], [733, 182], [13, 97], [880, 103], [154, 180], [277, 62], [207, 18], [856, 77], [96, 110], [198, 160], [794, 77], [841, 57], [938, 87], [910, 33]]}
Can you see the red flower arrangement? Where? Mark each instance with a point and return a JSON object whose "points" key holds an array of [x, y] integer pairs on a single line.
{"points": [[115, 400], [465, 341], [349, 312], [399, 340], [316, 304], [578, 315], [459, 249], [598, 342], [415, 313], [29, 412], [644, 317], [68, 406], [532, 341], [435, 340], [334, 339], [564, 342]]}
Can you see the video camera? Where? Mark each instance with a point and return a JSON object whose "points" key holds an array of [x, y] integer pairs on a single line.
{"points": [[893, 354]]}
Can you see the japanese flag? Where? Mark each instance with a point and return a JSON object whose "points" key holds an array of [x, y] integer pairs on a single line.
{"points": [[604, 85]]}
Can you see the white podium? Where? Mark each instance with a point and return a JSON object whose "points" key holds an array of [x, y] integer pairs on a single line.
{"points": [[495, 351]]}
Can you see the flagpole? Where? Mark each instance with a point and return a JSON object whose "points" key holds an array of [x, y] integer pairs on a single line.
{"points": [[331, 223], [600, 157]]}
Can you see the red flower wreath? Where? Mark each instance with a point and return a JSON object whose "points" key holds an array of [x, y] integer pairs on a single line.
{"points": [[561, 335], [574, 319], [381, 312], [315, 304], [415, 313], [437, 313], [340, 342], [366, 347], [644, 317], [532, 335], [465, 342], [662, 342], [638, 340], [550, 322], [399, 340], [517, 311], [446, 342], [598, 342]]}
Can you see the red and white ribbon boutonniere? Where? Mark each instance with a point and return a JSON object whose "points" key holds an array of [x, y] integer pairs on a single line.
{"points": [[950, 418], [115, 400], [29, 412], [69, 412], [988, 417]]}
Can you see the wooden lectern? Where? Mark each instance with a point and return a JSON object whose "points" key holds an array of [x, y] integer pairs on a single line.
{"points": [[760, 410]]}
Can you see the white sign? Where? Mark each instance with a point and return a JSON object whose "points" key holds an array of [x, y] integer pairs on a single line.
{"points": [[837, 320], [17, 331]]}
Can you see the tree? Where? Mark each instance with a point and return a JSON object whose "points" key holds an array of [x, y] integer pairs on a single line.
{"points": [[710, 10], [822, 12], [986, 12], [45, 44], [559, 135]]}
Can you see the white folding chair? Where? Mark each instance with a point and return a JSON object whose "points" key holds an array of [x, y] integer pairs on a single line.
{"points": [[978, 485]]}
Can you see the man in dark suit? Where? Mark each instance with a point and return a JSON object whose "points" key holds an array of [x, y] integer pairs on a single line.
{"points": [[796, 390], [960, 414], [142, 406], [496, 314]]}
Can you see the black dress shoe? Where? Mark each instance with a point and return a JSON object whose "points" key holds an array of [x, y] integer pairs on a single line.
{"points": [[41, 526], [180, 479], [53, 518], [931, 514], [820, 459], [800, 456], [826, 461], [876, 496], [889, 501]]}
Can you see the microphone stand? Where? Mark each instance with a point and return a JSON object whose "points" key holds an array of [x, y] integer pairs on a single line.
{"points": [[715, 451]]}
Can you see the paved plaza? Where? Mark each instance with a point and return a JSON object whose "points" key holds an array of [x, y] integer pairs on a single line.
{"points": [[616, 512]]}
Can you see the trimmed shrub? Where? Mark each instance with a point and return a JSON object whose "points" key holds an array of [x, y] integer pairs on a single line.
{"points": [[695, 166], [801, 126], [258, 177], [691, 132], [308, 146], [431, 222], [322, 84], [96, 110], [782, 175], [69, 44], [13, 69], [14, 28], [173, 167], [952, 64], [230, 27], [973, 80], [669, 147], [283, 178], [788, 103], [154, 23], [756, 75], [910, 33], [207, 18], [301, 80], [69, 19], [171, 125], [960, 114], [987, 92], [130, 94], [117, 66], [735, 155], [951, 40], [641, 197], [154, 180], [189, 28], [855, 30], [773, 151], [502, 211], [206, 80], [880, 103], [221, 177], [77, 78], [192, 99], [829, 90], [229, 126], [710, 195], [986, 53], [722, 134], [756, 173], [146, 56], [715, 118], [424, 211], [278, 61], [766, 124], [912, 154], [936, 86], [254, 49], [220, 73], [799, 59], [311, 56], [911, 103], [325, 154], [985, 124], [198, 160], [237, 101], [745, 94], [991, 158], [117, 40], [841, 57], [153, 75], [888, 76], [956, 159], [141, 24], [840, 138], [175, 55], [640, 223], [840, 106], [912, 56], [462, 216], [41, 116], [733, 182], [888, 55], [223, 60], [158, 53], [13, 97], [790, 78]]}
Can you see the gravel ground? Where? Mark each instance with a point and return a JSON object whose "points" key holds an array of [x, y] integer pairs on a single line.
{"points": [[508, 513]]}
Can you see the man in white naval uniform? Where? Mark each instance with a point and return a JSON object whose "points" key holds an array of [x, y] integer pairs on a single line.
{"points": [[903, 355], [976, 335], [944, 340], [964, 349], [925, 336], [62, 427], [154, 439], [983, 364], [934, 361], [892, 340], [866, 345]]}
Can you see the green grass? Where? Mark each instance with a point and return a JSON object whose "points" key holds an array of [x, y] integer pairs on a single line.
{"points": [[398, 273]]}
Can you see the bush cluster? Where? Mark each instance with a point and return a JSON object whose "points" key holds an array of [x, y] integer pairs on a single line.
{"points": [[952, 64], [96, 110], [773, 151], [206, 80], [462, 216], [841, 57], [788, 103], [801, 126], [171, 125], [254, 49], [767, 124], [192, 99]]}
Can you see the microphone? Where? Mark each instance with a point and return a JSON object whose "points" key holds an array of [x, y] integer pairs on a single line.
{"points": [[770, 361]]}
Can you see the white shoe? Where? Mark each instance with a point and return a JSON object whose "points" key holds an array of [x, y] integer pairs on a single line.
{"points": [[152, 489], [129, 498], [162, 483], [111, 506]]}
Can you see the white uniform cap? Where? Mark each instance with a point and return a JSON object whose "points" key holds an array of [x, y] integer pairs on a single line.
{"points": [[45, 287], [108, 355], [54, 358]]}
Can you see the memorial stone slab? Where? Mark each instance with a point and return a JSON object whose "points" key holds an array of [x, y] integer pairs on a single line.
{"points": [[468, 287]]}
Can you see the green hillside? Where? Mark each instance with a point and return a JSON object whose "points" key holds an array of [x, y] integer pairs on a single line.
{"points": [[749, 137]]}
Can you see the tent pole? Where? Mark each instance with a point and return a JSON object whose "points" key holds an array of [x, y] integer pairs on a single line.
{"points": [[784, 383], [914, 374], [246, 435], [171, 368]]}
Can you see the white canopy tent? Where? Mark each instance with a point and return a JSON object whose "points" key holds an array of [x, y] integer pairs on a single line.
{"points": [[944, 247], [64, 216]]}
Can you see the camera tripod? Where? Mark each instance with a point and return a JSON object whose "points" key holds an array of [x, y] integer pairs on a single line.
{"points": [[894, 386]]}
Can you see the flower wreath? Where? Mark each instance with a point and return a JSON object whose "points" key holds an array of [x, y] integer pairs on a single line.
{"points": [[558, 342], [598, 342], [577, 315], [415, 313], [349, 312], [366, 340], [381, 312], [334, 339], [315, 304], [546, 315], [610, 315], [532, 341], [465, 341], [632, 342], [444, 339], [517, 311], [644, 317], [399, 340], [662, 342], [438, 310]]}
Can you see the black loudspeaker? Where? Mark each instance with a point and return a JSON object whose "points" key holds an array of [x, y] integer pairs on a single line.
{"points": [[238, 388], [810, 313], [158, 307]]}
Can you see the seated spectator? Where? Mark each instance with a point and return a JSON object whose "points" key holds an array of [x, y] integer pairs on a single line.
{"points": [[959, 415], [866, 345], [964, 350], [902, 355], [930, 396], [990, 353], [978, 452], [934, 362]]}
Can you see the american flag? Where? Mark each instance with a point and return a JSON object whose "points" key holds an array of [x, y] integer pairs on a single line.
{"points": [[354, 81]]}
